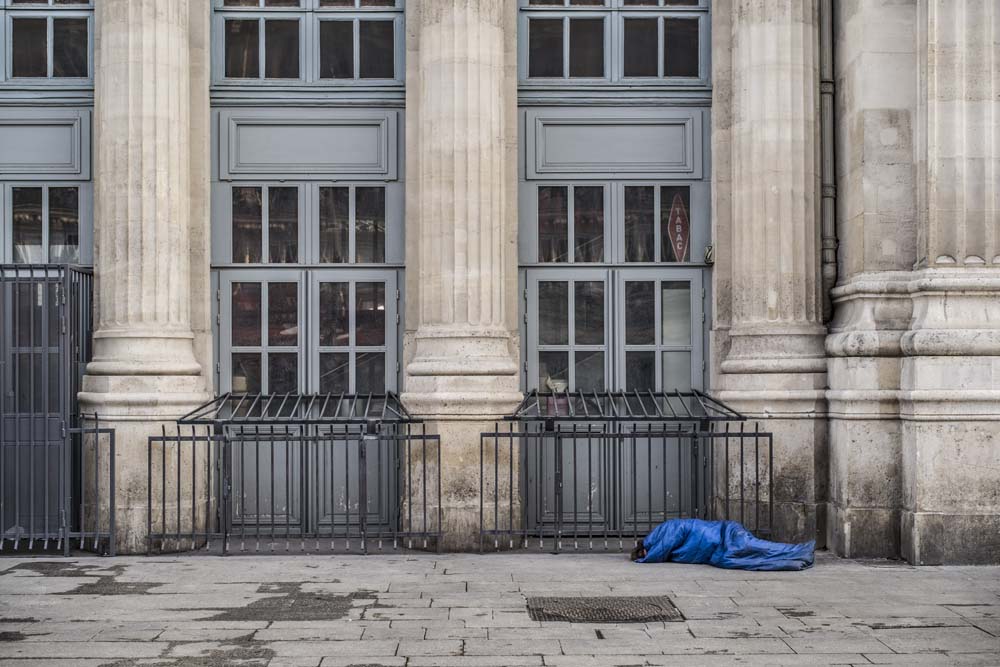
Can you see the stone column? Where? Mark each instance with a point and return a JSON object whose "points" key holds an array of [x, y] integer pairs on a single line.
{"points": [[461, 345], [950, 380], [876, 94], [144, 371], [775, 367]]}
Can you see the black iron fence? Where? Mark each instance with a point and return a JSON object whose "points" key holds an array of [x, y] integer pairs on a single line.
{"points": [[601, 470], [56, 476], [295, 473]]}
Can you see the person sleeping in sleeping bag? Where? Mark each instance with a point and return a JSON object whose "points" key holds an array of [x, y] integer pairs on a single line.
{"points": [[725, 544]]}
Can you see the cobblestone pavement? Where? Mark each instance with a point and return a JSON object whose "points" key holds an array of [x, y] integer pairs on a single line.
{"points": [[418, 610]]}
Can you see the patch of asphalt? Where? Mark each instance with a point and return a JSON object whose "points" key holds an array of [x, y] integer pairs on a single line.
{"points": [[102, 580], [293, 604]]}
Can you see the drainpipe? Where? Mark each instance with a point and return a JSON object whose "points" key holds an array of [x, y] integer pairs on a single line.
{"points": [[828, 167]]}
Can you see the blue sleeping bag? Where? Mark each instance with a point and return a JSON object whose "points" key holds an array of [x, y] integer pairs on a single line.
{"points": [[724, 544]]}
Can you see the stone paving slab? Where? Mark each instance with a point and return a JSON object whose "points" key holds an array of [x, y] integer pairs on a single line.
{"points": [[423, 610]]}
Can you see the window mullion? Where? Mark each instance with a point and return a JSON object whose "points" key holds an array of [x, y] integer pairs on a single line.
{"points": [[657, 241], [352, 225], [565, 47], [262, 48], [45, 224], [265, 225], [661, 45], [570, 224], [49, 33], [351, 341], [356, 46]]}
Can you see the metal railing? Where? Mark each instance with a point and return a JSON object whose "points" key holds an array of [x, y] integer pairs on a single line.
{"points": [[295, 473], [601, 470]]}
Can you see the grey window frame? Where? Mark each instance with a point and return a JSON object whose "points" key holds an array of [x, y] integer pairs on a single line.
{"points": [[226, 236], [528, 240], [394, 210], [49, 13], [566, 15], [261, 16], [699, 219], [86, 228]]}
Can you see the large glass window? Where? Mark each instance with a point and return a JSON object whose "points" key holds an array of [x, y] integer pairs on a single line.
{"points": [[44, 223], [46, 40]]}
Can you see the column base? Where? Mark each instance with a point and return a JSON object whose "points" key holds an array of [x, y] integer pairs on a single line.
{"points": [[942, 538], [863, 532]]}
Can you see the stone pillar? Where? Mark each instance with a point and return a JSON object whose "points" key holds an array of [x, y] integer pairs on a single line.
{"points": [[775, 367], [461, 368], [144, 372], [876, 94], [950, 379]]}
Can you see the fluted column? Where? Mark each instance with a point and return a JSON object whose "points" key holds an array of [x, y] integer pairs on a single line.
{"points": [[775, 366], [144, 370], [950, 377], [460, 347]]}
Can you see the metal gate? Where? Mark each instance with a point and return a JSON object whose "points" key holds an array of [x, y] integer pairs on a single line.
{"points": [[56, 477], [602, 469], [317, 472]]}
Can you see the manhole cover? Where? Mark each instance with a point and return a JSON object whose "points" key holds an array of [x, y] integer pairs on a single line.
{"points": [[613, 609]]}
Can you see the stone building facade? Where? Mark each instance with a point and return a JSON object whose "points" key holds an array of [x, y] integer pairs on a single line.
{"points": [[445, 163]]}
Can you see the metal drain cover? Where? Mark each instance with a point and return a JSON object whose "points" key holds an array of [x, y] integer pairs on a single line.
{"points": [[610, 609]]}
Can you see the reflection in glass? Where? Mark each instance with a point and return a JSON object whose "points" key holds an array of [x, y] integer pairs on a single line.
{"points": [[375, 49], [247, 225], [69, 47], [676, 313], [553, 313], [588, 306], [64, 225], [588, 224], [282, 373], [553, 223], [553, 371], [334, 225], [589, 371], [675, 224], [545, 48], [246, 314], [640, 371], [378, 3], [283, 225], [241, 3], [586, 47], [26, 209], [369, 370], [677, 371], [680, 47], [246, 373], [281, 3], [369, 216], [336, 49], [369, 314], [283, 314], [641, 39], [242, 48], [639, 203], [334, 372], [29, 46], [334, 318], [281, 49], [640, 313]]}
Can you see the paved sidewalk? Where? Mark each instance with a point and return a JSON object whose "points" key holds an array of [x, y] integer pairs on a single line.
{"points": [[422, 610]]}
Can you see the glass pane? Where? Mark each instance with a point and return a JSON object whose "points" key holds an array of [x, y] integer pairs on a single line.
{"points": [[588, 312], [688, 3], [640, 371], [27, 229], [336, 3], [378, 3], [334, 373], [69, 47], [677, 371], [246, 314], [28, 318], [242, 49], [282, 373], [334, 225], [639, 202], [589, 371], [641, 3], [283, 225], [545, 48], [675, 224], [553, 227], [680, 47], [586, 3], [547, 3], [281, 49], [369, 371], [281, 3], [242, 3], [369, 220], [553, 371], [29, 48], [375, 49], [283, 314], [586, 47], [64, 225], [588, 224], [640, 313], [676, 313], [246, 373], [334, 317], [247, 225], [641, 47], [369, 318], [553, 313], [336, 50]]}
